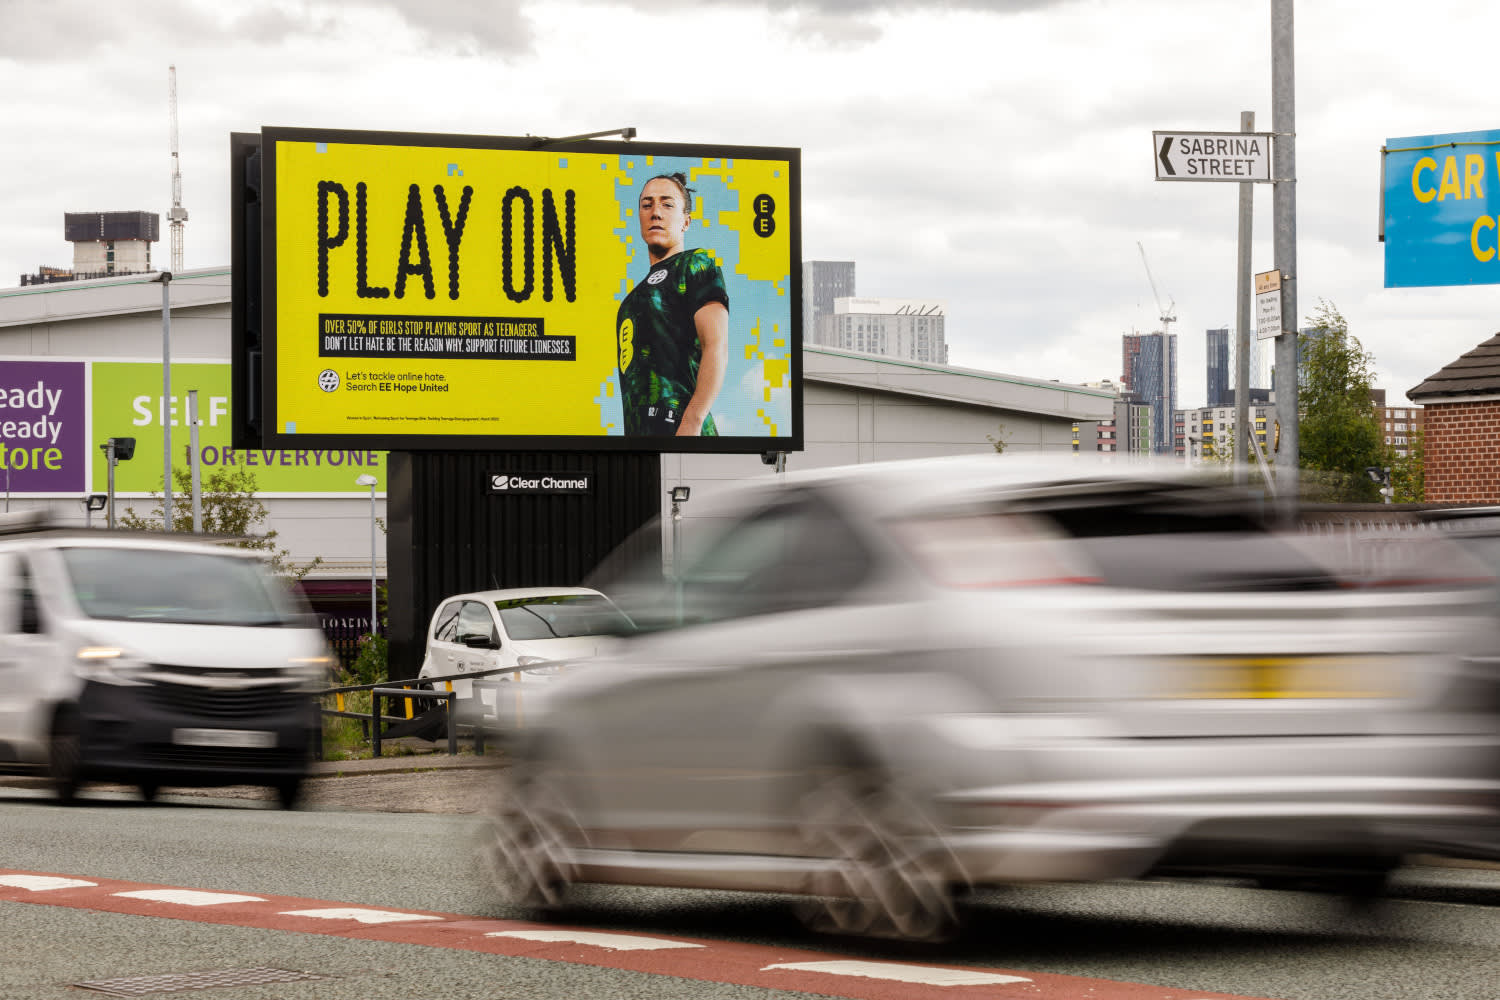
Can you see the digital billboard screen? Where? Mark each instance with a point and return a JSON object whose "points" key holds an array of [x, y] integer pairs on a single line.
{"points": [[472, 292]]}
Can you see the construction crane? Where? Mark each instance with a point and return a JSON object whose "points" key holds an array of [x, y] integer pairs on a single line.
{"points": [[1161, 406], [177, 215], [1167, 313]]}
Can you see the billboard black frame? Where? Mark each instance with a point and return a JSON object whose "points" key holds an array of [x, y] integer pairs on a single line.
{"points": [[265, 433], [245, 301]]}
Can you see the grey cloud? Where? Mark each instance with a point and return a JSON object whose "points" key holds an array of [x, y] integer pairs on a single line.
{"points": [[467, 26], [845, 22], [842, 7], [451, 25], [64, 30]]}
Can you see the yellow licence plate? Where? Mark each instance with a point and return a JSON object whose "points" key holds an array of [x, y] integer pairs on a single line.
{"points": [[1245, 677]]}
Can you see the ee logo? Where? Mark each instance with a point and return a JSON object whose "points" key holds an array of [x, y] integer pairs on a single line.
{"points": [[765, 215]]}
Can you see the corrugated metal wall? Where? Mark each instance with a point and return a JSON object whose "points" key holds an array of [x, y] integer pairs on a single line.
{"points": [[448, 534]]}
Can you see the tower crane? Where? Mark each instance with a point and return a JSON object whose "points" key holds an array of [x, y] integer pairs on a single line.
{"points": [[177, 215], [1161, 408], [1168, 313]]}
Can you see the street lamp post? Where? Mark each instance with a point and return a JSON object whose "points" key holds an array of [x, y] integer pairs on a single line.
{"points": [[679, 495], [370, 481]]}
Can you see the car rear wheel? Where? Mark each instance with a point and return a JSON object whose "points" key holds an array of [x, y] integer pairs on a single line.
{"points": [[529, 839], [888, 874]]}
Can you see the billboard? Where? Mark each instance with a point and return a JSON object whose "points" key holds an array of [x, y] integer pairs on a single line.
{"points": [[54, 415], [481, 293], [1440, 202]]}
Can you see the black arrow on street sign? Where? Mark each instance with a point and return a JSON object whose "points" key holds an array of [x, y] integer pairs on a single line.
{"points": [[1166, 144]]}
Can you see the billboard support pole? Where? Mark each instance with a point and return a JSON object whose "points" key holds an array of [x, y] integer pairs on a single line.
{"points": [[1284, 191], [1242, 321], [193, 455]]}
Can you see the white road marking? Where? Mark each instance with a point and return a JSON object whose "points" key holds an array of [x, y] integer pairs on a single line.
{"points": [[189, 897], [361, 915], [902, 973], [615, 942], [42, 883]]}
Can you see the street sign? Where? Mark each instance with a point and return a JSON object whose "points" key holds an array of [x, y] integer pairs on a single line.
{"points": [[1212, 156], [1268, 305]]}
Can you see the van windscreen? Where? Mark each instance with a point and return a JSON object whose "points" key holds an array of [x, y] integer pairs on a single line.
{"points": [[168, 585]]}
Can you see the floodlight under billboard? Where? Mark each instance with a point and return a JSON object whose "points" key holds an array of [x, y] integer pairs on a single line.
{"points": [[486, 293]]}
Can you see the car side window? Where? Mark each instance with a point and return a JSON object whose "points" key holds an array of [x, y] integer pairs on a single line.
{"points": [[10, 594], [447, 624], [474, 619], [30, 610], [797, 553]]}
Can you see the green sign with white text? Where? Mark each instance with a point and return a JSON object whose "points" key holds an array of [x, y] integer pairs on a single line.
{"points": [[127, 401]]}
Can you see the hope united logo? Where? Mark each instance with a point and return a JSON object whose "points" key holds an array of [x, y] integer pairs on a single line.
{"points": [[328, 380], [657, 277]]}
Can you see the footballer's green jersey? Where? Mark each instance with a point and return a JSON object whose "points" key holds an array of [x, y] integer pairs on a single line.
{"points": [[658, 339]]}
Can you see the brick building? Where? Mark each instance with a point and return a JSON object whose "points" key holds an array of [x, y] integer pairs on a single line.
{"points": [[1400, 424], [1461, 404]]}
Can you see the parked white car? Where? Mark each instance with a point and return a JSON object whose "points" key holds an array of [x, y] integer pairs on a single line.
{"points": [[542, 629], [878, 686]]}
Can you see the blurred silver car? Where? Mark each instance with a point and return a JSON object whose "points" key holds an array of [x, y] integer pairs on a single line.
{"points": [[879, 686]]}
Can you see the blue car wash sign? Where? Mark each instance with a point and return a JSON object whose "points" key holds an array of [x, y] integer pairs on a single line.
{"points": [[1440, 216]]}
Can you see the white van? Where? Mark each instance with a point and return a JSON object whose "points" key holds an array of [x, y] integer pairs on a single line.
{"points": [[152, 660]]}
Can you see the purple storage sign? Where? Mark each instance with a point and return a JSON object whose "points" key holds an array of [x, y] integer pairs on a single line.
{"points": [[43, 448]]}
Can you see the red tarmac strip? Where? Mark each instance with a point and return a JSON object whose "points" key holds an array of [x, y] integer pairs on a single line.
{"points": [[696, 959]]}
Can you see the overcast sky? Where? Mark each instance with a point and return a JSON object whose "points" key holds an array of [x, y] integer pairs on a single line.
{"points": [[993, 155]]}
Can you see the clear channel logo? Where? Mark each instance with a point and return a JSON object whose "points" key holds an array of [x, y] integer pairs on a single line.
{"points": [[328, 380], [499, 482]]}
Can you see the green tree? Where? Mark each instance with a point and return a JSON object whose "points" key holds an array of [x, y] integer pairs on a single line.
{"points": [[1409, 472], [230, 508], [1339, 431]]}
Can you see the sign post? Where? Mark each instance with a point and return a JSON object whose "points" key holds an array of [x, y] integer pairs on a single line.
{"points": [[1242, 157]]}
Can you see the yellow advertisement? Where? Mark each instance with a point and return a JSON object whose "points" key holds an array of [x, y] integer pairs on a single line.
{"points": [[465, 292]]}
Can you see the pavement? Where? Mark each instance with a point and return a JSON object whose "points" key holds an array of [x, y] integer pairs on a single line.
{"points": [[405, 756]]}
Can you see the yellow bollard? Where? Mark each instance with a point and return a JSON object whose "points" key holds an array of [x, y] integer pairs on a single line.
{"points": [[338, 701], [407, 687]]}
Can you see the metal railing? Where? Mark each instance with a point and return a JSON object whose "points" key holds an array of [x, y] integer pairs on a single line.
{"points": [[377, 724]]}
